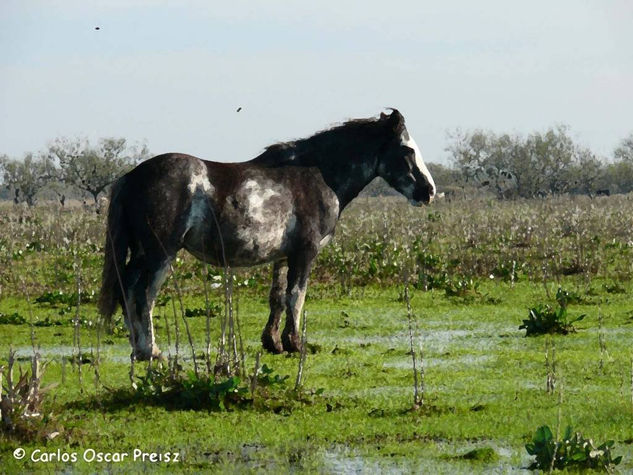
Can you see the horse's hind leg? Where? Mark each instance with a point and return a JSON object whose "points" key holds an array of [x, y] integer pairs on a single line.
{"points": [[141, 296], [133, 271], [298, 272], [277, 300]]}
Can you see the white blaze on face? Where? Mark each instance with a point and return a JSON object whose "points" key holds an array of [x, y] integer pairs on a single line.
{"points": [[408, 141]]}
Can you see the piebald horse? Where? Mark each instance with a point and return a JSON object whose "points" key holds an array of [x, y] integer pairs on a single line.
{"points": [[281, 207]]}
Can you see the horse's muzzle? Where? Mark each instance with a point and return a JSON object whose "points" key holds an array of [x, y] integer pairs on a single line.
{"points": [[423, 198]]}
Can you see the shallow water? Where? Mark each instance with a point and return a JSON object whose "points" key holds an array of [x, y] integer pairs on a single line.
{"points": [[445, 362], [341, 459]]}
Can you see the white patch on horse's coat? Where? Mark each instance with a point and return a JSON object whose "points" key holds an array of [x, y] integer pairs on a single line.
{"points": [[197, 213], [324, 242], [200, 179], [295, 302], [201, 189], [291, 226], [257, 198], [409, 142], [197, 216], [265, 218]]}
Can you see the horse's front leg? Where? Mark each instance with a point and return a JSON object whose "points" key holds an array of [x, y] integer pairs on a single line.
{"points": [[298, 273], [277, 299]]}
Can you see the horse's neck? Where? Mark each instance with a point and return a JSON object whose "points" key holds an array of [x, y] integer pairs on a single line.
{"points": [[347, 176], [347, 165]]}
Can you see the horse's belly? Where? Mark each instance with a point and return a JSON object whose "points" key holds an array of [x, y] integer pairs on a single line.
{"points": [[261, 241], [257, 225], [247, 246]]}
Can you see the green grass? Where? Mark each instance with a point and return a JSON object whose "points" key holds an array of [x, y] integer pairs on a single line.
{"points": [[484, 381]]}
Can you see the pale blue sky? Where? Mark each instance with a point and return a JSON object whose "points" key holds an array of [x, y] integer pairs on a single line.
{"points": [[172, 74]]}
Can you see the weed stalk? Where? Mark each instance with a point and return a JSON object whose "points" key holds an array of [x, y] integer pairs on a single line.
{"points": [[182, 313], [255, 372], [239, 336], [418, 386], [558, 423], [207, 305], [97, 360], [170, 368], [77, 324], [550, 365], [177, 332], [601, 342]]}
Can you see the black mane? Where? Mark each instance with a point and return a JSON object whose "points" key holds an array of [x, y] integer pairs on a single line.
{"points": [[301, 152]]}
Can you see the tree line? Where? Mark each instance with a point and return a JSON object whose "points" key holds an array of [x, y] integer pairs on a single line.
{"points": [[69, 167], [508, 165], [541, 163]]}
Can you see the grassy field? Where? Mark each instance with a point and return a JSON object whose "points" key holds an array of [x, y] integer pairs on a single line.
{"points": [[475, 267]]}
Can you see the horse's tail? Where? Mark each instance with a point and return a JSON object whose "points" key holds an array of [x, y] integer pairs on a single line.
{"points": [[116, 246]]}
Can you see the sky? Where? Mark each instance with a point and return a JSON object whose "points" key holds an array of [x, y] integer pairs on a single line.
{"points": [[172, 74]]}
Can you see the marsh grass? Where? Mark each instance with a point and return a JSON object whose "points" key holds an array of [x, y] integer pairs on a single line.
{"points": [[541, 240], [21, 399], [367, 408], [482, 380]]}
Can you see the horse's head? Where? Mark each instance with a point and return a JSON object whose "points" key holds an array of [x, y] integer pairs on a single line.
{"points": [[400, 162]]}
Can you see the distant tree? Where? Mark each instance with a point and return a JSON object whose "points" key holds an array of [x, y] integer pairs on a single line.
{"points": [[618, 176], [587, 174], [513, 165], [488, 160], [470, 150], [26, 178], [624, 151], [92, 168], [552, 155]]}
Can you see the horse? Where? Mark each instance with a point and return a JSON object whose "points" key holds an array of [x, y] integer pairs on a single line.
{"points": [[281, 207]]}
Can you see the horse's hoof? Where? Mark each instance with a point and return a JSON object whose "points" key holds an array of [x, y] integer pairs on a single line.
{"points": [[272, 344], [145, 355], [291, 343]]}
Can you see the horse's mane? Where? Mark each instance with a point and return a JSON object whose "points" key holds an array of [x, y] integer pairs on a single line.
{"points": [[295, 152]]}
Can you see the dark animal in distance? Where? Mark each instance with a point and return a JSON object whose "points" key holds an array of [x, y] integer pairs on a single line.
{"points": [[281, 207]]}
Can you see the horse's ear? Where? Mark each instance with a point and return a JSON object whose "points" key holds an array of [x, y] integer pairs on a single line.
{"points": [[383, 116], [396, 121]]}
